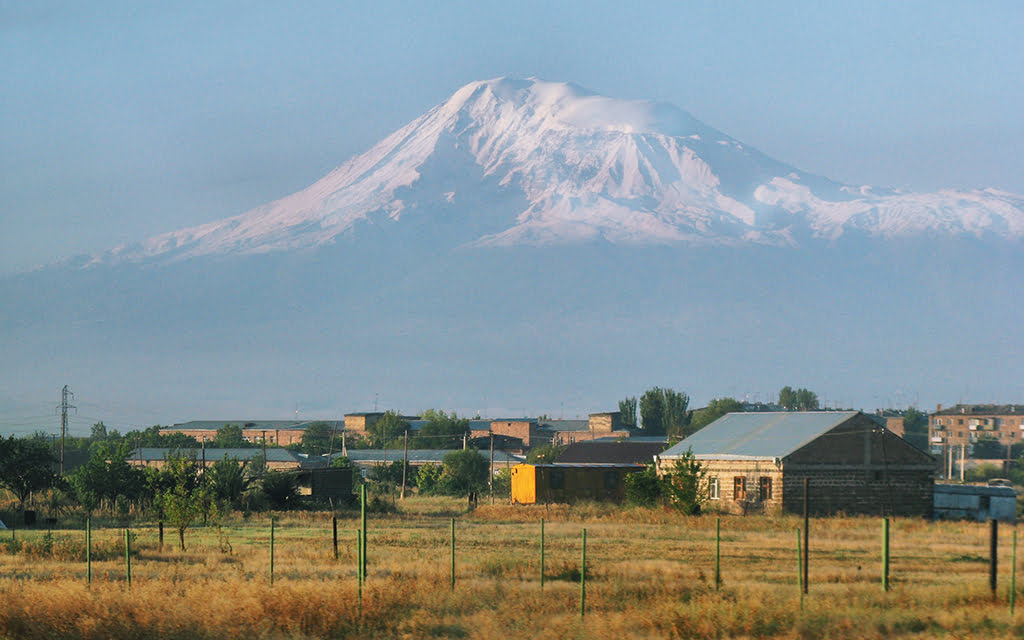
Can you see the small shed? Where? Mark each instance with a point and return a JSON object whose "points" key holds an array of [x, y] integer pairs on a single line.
{"points": [[567, 482], [975, 502], [331, 484]]}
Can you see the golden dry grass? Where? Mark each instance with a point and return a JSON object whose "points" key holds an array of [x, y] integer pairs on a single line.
{"points": [[650, 574]]}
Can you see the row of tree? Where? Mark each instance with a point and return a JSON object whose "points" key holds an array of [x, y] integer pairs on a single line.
{"points": [[665, 411]]}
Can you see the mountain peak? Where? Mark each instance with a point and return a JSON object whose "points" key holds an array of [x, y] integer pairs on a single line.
{"points": [[511, 161], [567, 105]]}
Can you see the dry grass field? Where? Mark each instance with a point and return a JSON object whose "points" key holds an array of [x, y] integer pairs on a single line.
{"points": [[650, 574]]}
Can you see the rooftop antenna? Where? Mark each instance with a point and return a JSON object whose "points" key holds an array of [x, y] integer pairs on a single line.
{"points": [[375, 402]]}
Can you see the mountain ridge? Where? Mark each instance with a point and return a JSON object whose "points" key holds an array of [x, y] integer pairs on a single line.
{"points": [[545, 163]]}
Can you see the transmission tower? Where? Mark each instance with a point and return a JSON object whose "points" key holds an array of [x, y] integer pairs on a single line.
{"points": [[64, 406]]}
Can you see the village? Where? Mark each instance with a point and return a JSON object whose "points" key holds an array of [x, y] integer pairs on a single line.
{"points": [[745, 458]]}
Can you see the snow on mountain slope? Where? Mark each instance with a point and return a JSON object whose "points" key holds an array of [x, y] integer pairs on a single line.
{"points": [[573, 167]]}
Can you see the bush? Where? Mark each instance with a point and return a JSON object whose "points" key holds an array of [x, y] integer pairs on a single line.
{"points": [[643, 489]]}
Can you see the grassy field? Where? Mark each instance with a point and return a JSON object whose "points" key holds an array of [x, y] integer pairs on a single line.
{"points": [[650, 574]]}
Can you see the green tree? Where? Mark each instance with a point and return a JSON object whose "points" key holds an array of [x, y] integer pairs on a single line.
{"points": [[26, 466], [99, 431], [441, 431], [664, 411], [685, 485], [787, 398], [428, 477], [717, 408], [316, 439], [107, 478], [230, 437], [186, 499], [643, 489], [627, 408], [228, 481], [915, 428], [387, 430], [545, 453], [280, 489], [463, 471], [806, 400]]}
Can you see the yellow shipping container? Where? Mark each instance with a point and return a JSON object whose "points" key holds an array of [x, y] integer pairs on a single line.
{"points": [[566, 482]]}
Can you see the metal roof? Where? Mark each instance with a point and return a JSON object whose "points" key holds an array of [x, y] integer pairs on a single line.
{"points": [[274, 454], [739, 436], [269, 425], [611, 452], [565, 425], [420, 456], [587, 465]]}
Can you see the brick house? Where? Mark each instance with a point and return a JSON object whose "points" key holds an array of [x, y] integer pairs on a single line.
{"points": [[966, 424], [757, 462], [280, 432]]}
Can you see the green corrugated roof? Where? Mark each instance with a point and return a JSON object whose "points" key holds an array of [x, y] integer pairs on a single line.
{"points": [[759, 435]]}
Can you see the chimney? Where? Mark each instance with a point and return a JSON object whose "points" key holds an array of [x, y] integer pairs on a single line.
{"points": [[938, 408]]}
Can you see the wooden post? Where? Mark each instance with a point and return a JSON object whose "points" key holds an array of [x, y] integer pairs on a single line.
{"points": [[583, 576], [542, 553], [453, 554], [334, 526], [800, 568], [993, 556], [885, 554], [160, 528], [807, 539], [1013, 574], [88, 551], [718, 553], [128, 559], [271, 550]]}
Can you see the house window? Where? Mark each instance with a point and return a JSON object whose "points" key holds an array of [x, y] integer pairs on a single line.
{"points": [[713, 488], [739, 488], [764, 488]]}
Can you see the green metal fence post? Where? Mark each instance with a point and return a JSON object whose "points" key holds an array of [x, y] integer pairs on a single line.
{"points": [[885, 554], [271, 550], [453, 554], [359, 556], [362, 526]]}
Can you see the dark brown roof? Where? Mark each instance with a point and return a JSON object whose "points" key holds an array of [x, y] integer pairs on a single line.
{"points": [[612, 452], [982, 410]]}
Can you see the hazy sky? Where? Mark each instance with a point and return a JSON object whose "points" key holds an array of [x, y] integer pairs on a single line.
{"points": [[122, 120]]}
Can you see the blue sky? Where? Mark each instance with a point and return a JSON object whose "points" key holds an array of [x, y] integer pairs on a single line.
{"points": [[122, 120]]}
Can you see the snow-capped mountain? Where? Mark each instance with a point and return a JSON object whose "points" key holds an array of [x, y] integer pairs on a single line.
{"points": [[528, 162]]}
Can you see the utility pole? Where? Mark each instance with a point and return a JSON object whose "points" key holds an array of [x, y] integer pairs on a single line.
{"points": [[64, 406]]}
